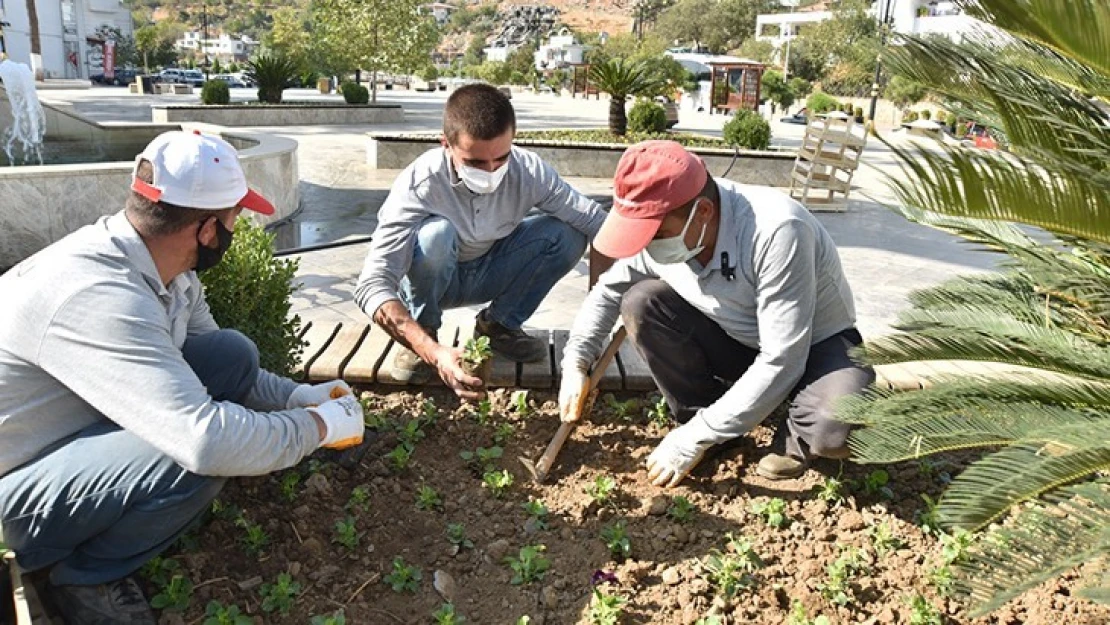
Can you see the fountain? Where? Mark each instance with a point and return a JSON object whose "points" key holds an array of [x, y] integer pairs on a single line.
{"points": [[24, 137]]}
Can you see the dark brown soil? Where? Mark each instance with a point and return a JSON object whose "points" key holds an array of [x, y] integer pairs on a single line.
{"points": [[662, 581]]}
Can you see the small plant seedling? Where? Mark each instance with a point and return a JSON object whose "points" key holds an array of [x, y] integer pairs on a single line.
{"points": [[537, 512], [503, 433], [404, 578], [838, 589], [159, 571], [529, 566], [481, 459], [711, 619], [727, 574], [255, 539], [831, 490], [400, 456], [429, 412], [216, 613], [456, 534], [519, 400], [446, 615], [346, 533], [174, 596], [375, 420], [226, 511], [923, 613], [524, 620], [279, 596], [359, 499], [943, 580], [773, 511], [623, 410], [601, 491], [798, 616], [335, 618], [411, 433], [289, 483], [476, 351], [497, 482], [606, 609], [427, 498], [954, 546], [744, 551], [883, 539], [876, 484], [681, 509], [616, 539], [482, 414], [660, 414]]}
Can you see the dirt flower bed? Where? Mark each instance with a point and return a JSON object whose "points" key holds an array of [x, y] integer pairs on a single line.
{"points": [[441, 511]]}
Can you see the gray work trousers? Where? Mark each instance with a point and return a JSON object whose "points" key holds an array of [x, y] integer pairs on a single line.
{"points": [[694, 361]]}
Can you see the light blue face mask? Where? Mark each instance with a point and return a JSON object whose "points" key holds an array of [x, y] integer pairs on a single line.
{"points": [[673, 250]]}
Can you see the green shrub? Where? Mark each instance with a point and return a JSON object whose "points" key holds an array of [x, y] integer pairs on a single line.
{"points": [[910, 117], [926, 114], [961, 129], [308, 78], [821, 102], [354, 93], [273, 73], [647, 116], [747, 129], [215, 92], [858, 112], [950, 121], [249, 291]]}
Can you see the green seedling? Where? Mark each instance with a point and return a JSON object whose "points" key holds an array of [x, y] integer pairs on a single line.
{"points": [[623, 410], [798, 616], [876, 484], [189, 541], [404, 578], [728, 574], [482, 460], [446, 615], [883, 539], [288, 485], [359, 500], [503, 433], [278, 597], [427, 498], [482, 414], [943, 580], [411, 433], [930, 469], [497, 482], [335, 618], [616, 539], [456, 534], [225, 511], [837, 589], [159, 571], [315, 466], [601, 491], [217, 613], [174, 596], [519, 400], [529, 566], [954, 546], [537, 512], [606, 609], [524, 620], [832, 491], [429, 412], [255, 539], [477, 350], [400, 456], [923, 613], [377, 421], [773, 512], [928, 518], [346, 533], [711, 619], [660, 414], [681, 509]]}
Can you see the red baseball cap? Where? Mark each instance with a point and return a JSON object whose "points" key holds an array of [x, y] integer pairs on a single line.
{"points": [[653, 178]]}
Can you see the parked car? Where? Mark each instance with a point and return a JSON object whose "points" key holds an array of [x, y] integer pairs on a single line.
{"points": [[797, 118], [121, 77], [192, 77], [232, 80], [980, 137], [670, 107]]}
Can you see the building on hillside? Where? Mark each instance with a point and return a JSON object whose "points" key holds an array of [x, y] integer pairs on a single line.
{"points": [[560, 51], [441, 11], [498, 52], [71, 34], [225, 47]]}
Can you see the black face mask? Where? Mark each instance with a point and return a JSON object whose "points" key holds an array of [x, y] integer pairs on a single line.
{"points": [[209, 257]]}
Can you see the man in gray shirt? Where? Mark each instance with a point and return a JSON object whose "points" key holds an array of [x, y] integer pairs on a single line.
{"points": [[454, 232], [735, 297], [123, 406]]}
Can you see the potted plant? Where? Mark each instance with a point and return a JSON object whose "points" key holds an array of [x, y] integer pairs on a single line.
{"points": [[476, 359]]}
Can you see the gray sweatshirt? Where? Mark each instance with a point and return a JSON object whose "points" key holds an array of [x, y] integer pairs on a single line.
{"points": [[88, 331], [789, 292], [430, 187]]}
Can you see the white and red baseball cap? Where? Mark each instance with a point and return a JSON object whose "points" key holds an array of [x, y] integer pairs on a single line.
{"points": [[193, 170]]}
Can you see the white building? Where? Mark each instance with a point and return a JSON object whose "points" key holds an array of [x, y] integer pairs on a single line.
{"points": [[560, 51], [498, 54], [68, 34], [441, 11], [224, 47]]}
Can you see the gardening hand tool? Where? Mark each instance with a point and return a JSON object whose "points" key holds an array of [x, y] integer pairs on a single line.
{"points": [[574, 388], [679, 452], [540, 468], [306, 395], [343, 420]]}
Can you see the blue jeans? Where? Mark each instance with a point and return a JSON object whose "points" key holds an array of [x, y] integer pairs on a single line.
{"points": [[98, 505], [515, 274]]}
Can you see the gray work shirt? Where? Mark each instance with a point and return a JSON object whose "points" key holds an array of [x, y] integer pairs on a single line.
{"points": [[789, 292], [88, 331], [429, 187]]}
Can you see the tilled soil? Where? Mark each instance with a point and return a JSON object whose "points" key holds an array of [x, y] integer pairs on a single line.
{"points": [[663, 579]]}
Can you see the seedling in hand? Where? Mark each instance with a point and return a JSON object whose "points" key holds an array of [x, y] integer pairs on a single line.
{"points": [[773, 512], [456, 534], [497, 482], [279, 596], [601, 491], [346, 533], [606, 609], [255, 538], [681, 509], [446, 615], [529, 566], [289, 483], [217, 613], [428, 499], [616, 539], [404, 578], [536, 511], [476, 351]]}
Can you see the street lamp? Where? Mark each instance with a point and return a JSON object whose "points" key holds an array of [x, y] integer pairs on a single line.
{"points": [[884, 25], [204, 41]]}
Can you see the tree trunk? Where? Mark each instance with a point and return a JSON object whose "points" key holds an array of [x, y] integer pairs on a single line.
{"points": [[618, 121], [36, 40]]}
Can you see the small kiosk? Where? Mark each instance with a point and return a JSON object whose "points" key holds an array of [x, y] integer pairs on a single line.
{"points": [[735, 86]]}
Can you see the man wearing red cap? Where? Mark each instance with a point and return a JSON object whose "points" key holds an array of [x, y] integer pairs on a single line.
{"points": [[735, 297], [123, 406]]}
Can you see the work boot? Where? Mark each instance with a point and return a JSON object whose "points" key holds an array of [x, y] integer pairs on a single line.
{"points": [[515, 344], [113, 603], [409, 368], [781, 467]]}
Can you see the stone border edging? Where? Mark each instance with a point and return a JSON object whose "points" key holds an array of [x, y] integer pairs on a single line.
{"points": [[310, 114]]}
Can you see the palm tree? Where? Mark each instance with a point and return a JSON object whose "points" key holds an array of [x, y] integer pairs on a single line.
{"points": [[620, 79], [1040, 487]]}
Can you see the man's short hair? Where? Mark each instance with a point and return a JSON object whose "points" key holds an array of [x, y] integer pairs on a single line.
{"points": [[479, 111], [155, 219]]}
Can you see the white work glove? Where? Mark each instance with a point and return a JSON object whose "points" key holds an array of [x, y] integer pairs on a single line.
{"points": [[575, 383], [306, 395], [679, 452], [343, 420]]}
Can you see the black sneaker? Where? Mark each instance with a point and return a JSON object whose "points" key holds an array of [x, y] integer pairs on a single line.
{"points": [[515, 344], [118, 602]]}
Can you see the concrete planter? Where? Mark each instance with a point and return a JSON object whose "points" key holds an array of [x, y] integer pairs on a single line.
{"points": [[597, 160], [280, 114]]}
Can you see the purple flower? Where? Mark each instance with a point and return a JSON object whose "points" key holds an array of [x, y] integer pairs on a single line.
{"points": [[603, 577]]}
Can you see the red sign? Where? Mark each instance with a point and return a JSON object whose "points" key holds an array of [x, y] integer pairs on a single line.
{"points": [[109, 59]]}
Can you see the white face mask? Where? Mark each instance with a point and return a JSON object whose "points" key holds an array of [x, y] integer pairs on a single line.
{"points": [[481, 181], [673, 250]]}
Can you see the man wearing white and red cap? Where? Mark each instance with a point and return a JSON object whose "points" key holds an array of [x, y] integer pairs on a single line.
{"points": [[735, 297], [123, 406]]}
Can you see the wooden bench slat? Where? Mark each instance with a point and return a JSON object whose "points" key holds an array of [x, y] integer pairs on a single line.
{"points": [[897, 377], [637, 375], [317, 338], [370, 355], [538, 374], [329, 364]]}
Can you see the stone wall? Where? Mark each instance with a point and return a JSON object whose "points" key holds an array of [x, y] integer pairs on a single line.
{"points": [[396, 151], [280, 115]]}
